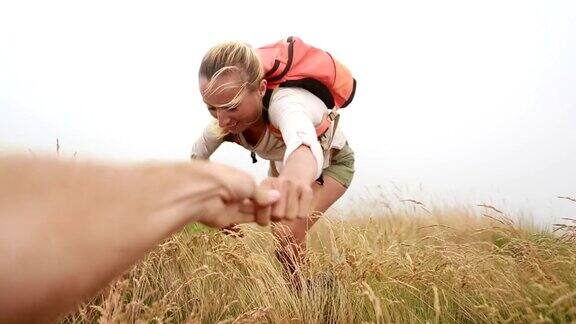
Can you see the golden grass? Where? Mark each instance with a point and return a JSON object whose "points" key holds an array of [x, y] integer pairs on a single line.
{"points": [[418, 265]]}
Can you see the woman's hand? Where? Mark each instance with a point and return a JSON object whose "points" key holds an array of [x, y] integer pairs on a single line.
{"points": [[295, 200], [295, 186]]}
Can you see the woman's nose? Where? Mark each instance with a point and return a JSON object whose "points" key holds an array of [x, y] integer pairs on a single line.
{"points": [[223, 119]]}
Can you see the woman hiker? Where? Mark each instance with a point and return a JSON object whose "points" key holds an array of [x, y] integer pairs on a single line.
{"points": [[291, 126]]}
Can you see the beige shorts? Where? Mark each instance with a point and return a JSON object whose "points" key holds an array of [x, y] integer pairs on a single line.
{"points": [[341, 166]]}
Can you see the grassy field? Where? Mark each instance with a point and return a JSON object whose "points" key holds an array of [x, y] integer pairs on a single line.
{"points": [[376, 265]]}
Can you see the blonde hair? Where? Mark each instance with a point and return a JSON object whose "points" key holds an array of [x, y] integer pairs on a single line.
{"points": [[228, 58], [224, 60]]}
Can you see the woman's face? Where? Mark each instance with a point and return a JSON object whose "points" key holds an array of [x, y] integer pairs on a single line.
{"points": [[233, 119]]}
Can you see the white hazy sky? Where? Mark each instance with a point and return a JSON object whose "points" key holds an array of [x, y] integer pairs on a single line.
{"points": [[473, 102]]}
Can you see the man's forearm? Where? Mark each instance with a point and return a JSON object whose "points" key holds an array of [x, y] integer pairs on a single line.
{"points": [[68, 228]]}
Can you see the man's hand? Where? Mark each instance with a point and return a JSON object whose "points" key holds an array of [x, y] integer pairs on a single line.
{"points": [[67, 228], [213, 194]]}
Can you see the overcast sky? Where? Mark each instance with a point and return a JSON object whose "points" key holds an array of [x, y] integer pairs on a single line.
{"points": [[473, 102]]}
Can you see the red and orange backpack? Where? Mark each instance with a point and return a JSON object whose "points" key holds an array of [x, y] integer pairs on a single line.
{"points": [[292, 63]]}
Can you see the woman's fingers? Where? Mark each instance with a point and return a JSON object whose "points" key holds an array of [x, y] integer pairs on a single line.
{"points": [[279, 207], [306, 199], [293, 200]]}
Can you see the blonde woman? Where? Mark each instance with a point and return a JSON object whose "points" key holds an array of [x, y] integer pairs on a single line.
{"points": [[311, 173]]}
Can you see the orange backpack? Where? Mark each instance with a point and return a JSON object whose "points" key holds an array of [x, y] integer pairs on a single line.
{"points": [[293, 63]]}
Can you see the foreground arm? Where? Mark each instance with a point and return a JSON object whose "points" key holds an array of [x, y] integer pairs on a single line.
{"points": [[67, 229]]}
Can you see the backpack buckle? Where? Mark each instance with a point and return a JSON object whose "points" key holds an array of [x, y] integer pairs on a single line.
{"points": [[333, 114]]}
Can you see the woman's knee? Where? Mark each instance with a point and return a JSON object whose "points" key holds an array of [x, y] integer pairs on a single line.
{"points": [[293, 231]]}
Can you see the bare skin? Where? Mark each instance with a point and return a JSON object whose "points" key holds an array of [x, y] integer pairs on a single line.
{"points": [[68, 228], [291, 234]]}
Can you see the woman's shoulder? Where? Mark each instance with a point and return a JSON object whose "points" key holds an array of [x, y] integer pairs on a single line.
{"points": [[290, 99]]}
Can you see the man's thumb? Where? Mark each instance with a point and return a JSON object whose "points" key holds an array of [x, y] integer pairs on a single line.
{"points": [[265, 197]]}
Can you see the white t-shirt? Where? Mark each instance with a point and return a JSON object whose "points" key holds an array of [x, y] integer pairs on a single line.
{"points": [[295, 112]]}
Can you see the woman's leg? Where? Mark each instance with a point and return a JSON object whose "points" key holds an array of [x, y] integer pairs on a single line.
{"points": [[291, 235]]}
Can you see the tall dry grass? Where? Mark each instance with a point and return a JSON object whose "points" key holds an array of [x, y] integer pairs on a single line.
{"points": [[421, 265]]}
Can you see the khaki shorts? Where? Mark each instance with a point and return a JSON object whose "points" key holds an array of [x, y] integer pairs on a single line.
{"points": [[341, 166]]}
